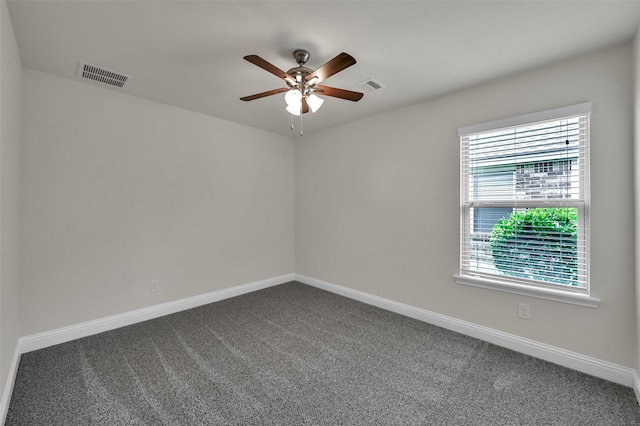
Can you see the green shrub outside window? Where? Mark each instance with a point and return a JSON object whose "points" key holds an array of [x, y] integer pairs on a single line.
{"points": [[539, 244]]}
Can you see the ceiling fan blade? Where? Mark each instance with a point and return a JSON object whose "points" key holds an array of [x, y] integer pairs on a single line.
{"points": [[263, 94], [339, 93], [337, 64], [269, 67], [305, 106]]}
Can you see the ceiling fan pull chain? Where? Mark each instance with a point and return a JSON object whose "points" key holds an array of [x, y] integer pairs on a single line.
{"points": [[291, 121], [301, 119]]}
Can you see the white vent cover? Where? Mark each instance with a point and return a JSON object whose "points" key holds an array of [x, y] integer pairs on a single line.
{"points": [[102, 75], [369, 85]]}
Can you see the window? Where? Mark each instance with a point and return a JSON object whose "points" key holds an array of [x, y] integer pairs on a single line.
{"points": [[524, 190]]}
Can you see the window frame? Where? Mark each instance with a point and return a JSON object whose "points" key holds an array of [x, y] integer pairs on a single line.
{"points": [[580, 296]]}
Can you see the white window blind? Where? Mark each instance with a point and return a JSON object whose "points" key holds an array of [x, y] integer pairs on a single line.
{"points": [[524, 200]]}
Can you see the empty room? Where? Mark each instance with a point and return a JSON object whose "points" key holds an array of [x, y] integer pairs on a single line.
{"points": [[295, 212]]}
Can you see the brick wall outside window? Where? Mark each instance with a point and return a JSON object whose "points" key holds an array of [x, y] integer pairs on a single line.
{"points": [[553, 176]]}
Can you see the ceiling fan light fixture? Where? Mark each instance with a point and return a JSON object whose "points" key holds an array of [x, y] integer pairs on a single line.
{"points": [[293, 110], [293, 98], [314, 102]]}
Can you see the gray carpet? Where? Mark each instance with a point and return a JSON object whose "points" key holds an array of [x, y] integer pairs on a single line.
{"points": [[295, 355]]}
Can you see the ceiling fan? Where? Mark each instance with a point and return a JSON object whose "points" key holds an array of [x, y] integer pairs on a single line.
{"points": [[303, 83]]}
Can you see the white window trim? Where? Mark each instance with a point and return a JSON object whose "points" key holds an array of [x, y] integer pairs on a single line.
{"points": [[554, 294], [526, 290], [578, 109]]}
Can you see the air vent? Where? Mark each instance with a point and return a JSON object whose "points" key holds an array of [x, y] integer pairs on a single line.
{"points": [[102, 75], [369, 85]]}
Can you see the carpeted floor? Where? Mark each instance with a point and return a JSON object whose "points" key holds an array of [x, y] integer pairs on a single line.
{"points": [[295, 355]]}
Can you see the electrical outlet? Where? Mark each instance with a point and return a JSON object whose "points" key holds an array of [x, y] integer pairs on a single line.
{"points": [[524, 311], [154, 286]]}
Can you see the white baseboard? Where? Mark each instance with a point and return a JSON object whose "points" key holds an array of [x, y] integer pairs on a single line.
{"points": [[89, 328], [8, 386], [636, 385], [583, 363]]}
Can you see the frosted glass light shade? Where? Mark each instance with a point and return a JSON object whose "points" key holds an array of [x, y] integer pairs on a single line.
{"points": [[314, 102], [293, 98], [295, 110]]}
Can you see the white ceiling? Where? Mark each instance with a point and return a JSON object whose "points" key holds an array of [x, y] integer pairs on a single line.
{"points": [[189, 53]]}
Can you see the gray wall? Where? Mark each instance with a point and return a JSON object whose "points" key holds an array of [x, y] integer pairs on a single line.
{"points": [[118, 191], [10, 118], [636, 159], [377, 205]]}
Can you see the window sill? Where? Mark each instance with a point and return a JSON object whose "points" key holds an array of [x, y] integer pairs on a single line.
{"points": [[541, 293]]}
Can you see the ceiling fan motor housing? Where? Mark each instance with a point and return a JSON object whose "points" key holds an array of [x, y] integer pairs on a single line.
{"points": [[300, 73]]}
